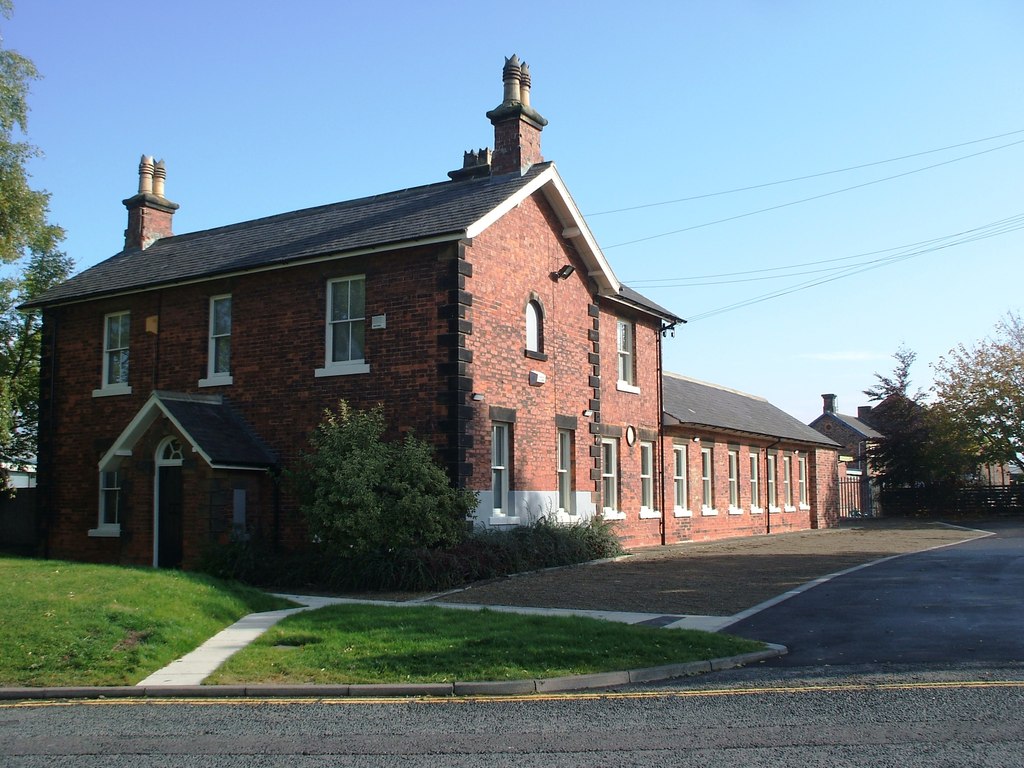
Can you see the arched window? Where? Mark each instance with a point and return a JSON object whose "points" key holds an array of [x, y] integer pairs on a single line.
{"points": [[534, 326], [169, 452]]}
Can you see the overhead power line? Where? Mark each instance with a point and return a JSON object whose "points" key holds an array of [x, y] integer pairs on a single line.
{"points": [[750, 275], [804, 178], [813, 197], [1001, 227]]}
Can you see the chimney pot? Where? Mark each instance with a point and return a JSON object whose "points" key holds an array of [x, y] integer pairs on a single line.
{"points": [[524, 84], [146, 175], [511, 75], [159, 178]]}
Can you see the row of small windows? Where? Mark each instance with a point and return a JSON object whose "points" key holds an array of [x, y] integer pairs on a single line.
{"points": [[501, 436], [681, 480]]}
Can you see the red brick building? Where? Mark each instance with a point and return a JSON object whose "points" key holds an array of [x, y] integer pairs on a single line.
{"points": [[182, 375]]}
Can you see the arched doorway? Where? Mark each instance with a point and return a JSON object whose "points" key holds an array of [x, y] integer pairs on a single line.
{"points": [[167, 505]]}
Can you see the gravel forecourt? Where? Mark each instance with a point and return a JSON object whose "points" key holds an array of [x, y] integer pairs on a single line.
{"points": [[719, 578]]}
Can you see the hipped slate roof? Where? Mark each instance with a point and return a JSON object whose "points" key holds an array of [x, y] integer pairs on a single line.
{"points": [[697, 404], [395, 217], [436, 212]]}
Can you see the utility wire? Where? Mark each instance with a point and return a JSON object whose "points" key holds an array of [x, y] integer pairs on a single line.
{"points": [[858, 269], [748, 275], [803, 178], [813, 197]]}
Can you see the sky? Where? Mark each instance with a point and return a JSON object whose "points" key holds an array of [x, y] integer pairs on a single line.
{"points": [[812, 184]]}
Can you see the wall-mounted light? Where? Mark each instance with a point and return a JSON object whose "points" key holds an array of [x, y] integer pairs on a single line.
{"points": [[563, 273], [476, 396], [588, 413], [696, 439]]}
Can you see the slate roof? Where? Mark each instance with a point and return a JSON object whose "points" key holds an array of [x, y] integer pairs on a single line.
{"points": [[855, 424], [430, 211], [633, 297], [699, 404], [216, 430]]}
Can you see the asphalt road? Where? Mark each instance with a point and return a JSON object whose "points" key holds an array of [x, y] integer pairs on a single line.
{"points": [[916, 662], [835, 725], [963, 603]]}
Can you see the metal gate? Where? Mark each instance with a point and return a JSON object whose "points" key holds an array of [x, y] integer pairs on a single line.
{"points": [[855, 497]]}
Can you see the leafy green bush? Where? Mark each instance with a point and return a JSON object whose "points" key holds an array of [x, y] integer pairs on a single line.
{"points": [[484, 554], [362, 494]]}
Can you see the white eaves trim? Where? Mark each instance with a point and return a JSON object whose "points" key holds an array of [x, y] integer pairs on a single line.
{"points": [[573, 224]]}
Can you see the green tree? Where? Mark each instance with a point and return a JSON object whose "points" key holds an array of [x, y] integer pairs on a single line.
{"points": [[981, 388], [29, 248], [920, 444], [362, 494]]}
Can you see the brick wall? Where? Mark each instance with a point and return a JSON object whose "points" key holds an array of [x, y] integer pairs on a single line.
{"points": [[622, 407], [278, 342], [512, 264], [750, 516]]}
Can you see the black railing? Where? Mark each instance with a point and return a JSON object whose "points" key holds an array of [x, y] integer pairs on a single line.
{"points": [[940, 501]]}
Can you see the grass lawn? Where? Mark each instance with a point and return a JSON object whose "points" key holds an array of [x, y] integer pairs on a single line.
{"points": [[76, 624], [375, 644]]}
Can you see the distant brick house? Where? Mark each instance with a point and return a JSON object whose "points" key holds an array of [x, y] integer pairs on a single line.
{"points": [[855, 435], [181, 375]]}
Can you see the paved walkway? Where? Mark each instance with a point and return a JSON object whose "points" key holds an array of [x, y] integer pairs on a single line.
{"points": [[196, 666]]}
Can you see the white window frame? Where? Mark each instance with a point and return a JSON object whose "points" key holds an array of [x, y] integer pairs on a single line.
{"points": [[342, 367], [111, 485], [680, 484], [215, 378], [707, 481], [801, 463], [772, 482], [565, 449], [610, 479], [734, 483], [501, 468], [787, 483], [755, 483], [625, 345], [121, 386], [648, 509], [534, 327]]}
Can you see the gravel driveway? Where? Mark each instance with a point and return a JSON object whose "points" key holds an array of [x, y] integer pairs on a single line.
{"points": [[718, 578]]}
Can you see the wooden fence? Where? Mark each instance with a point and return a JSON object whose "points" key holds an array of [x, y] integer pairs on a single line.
{"points": [[944, 501], [18, 529]]}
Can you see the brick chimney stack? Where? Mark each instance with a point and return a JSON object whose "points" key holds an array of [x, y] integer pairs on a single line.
{"points": [[828, 404], [149, 212], [517, 125]]}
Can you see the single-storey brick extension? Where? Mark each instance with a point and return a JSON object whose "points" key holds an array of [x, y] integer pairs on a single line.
{"points": [[183, 374]]}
